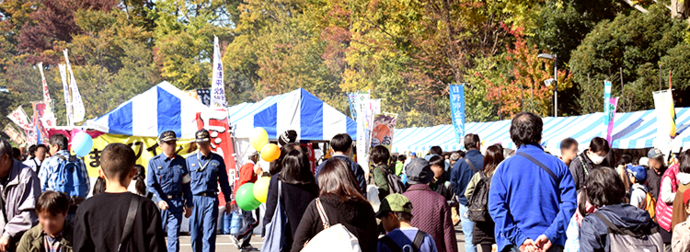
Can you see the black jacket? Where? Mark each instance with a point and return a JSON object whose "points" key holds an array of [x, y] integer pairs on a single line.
{"points": [[295, 199], [358, 217], [578, 171]]}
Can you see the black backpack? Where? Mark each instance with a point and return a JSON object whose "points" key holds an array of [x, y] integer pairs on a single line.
{"points": [[395, 184], [477, 204]]}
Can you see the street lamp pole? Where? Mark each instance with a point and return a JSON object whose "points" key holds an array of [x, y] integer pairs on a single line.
{"points": [[555, 80]]}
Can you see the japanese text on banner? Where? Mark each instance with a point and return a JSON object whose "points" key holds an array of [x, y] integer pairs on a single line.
{"points": [[457, 110]]}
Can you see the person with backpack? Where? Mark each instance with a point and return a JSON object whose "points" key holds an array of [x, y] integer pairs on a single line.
{"points": [[532, 194], [379, 173], [616, 225], [678, 214], [460, 177], [65, 173], [477, 193], [640, 196], [341, 207], [431, 211], [589, 160], [396, 215], [681, 232], [118, 220]]}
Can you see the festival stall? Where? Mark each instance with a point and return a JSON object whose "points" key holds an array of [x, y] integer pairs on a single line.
{"points": [[313, 119], [632, 130]]}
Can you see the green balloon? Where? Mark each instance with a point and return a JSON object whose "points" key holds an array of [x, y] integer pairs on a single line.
{"points": [[245, 197]]}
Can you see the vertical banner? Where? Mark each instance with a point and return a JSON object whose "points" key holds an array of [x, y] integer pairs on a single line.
{"points": [[352, 100], [48, 118], [374, 109], [607, 101], [216, 122], [362, 148], [611, 118], [204, 95], [40, 112], [18, 116], [457, 110], [665, 120], [384, 126], [65, 91], [77, 104], [14, 135], [217, 87]]}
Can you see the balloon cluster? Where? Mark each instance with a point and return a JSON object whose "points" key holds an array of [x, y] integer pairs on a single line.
{"points": [[250, 195]]}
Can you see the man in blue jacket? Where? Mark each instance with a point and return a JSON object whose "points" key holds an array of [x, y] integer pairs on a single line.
{"points": [[532, 195], [460, 176], [342, 146]]}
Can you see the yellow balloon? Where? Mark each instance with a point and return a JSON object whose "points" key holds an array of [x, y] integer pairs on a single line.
{"points": [[259, 138], [261, 189], [270, 152]]}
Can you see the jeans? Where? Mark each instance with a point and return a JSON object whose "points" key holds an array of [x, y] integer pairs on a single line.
{"points": [[467, 227], [203, 223]]}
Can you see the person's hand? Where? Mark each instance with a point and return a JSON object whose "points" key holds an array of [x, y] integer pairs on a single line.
{"points": [[542, 243], [188, 212], [259, 171], [229, 207], [4, 243], [163, 205], [528, 246]]}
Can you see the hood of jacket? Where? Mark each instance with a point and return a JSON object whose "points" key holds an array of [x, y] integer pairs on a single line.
{"points": [[683, 177], [628, 217]]}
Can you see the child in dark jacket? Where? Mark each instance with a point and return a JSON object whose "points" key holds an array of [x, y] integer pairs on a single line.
{"points": [[53, 231], [605, 190]]}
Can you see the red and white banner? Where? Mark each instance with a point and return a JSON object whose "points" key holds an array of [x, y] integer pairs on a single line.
{"points": [[310, 154], [40, 112], [47, 117], [18, 116], [14, 135], [216, 122]]}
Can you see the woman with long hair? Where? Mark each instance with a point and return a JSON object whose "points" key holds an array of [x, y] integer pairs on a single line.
{"points": [[483, 232], [605, 190], [343, 204], [277, 165], [297, 189]]}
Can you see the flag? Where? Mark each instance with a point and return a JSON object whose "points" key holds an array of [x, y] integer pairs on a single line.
{"points": [[384, 127], [374, 109], [14, 135], [65, 90], [607, 101], [363, 104], [613, 104], [217, 86], [77, 103], [352, 100], [49, 117], [40, 111], [457, 110], [18, 116], [665, 120]]}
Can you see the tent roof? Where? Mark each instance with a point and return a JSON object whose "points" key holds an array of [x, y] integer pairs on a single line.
{"points": [[632, 130], [161, 108], [298, 110]]}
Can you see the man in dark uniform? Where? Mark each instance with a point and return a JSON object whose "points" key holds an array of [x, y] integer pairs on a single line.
{"points": [[168, 180], [207, 170]]}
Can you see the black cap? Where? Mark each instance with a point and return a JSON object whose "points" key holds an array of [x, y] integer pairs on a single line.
{"points": [[202, 136], [167, 136], [419, 171]]}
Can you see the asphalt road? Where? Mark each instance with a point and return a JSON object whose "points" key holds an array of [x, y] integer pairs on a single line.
{"points": [[224, 242]]}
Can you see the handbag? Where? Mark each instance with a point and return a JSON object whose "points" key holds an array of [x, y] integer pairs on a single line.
{"points": [[334, 238], [274, 240]]}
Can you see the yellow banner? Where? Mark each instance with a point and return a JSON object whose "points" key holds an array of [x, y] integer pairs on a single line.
{"points": [[145, 148]]}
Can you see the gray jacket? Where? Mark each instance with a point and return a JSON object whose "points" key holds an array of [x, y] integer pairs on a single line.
{"points": [[19, 195]]}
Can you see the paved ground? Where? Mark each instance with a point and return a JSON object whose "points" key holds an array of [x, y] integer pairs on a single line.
{"points": [[224, 242]]}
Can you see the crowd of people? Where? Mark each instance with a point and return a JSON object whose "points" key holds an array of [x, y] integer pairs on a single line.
{"points": [[522, 200]]}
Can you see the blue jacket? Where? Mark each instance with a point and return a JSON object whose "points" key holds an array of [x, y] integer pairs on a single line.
{"points": [[594, 232], [524, 199], [359, 173], [462, 173]]}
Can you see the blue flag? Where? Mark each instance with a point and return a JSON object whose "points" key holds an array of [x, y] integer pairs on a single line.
{"points": [[457, 110]]}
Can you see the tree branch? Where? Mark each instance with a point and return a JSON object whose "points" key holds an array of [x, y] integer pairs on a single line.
{"points": [[637, 6]]}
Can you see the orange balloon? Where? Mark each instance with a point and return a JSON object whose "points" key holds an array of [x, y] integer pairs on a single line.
{"points": [[270, 152]]}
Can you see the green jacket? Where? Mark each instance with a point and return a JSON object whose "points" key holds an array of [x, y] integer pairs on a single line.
{"points": [[399, 168], [32, 240], [380, 180]]}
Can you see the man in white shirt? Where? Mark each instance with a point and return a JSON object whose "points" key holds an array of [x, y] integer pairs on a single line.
{"points": [[38, 154]]}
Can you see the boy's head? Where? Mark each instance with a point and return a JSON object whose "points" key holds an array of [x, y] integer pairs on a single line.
{"points": [[638, 174], [569, 148], [395, 208], [117, 163], [51, 208]]}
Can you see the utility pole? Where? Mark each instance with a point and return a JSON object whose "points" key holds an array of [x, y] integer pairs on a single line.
{"points": [[622, 89]]}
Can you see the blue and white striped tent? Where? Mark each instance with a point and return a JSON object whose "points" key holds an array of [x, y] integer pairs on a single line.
{"points": [[161, 108], [633, 130], [298, 110]]}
